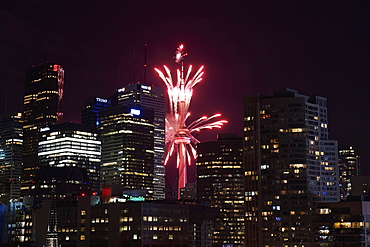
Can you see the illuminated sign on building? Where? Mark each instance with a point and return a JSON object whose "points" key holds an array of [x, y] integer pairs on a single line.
{"points": [[102, 100], [45, 129], [120, 90], [135, 112], [146, 87], [136, 198]]}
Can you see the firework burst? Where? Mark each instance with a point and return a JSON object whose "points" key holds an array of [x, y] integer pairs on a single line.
{"points": [[179, 136]]}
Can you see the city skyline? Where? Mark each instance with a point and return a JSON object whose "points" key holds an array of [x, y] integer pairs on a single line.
{"points": [[318, 49]]}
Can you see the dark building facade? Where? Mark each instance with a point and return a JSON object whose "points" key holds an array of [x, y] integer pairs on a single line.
{"points": [[343, 224], [220, 182], [349, 167], [90, 114], [290, 165], [128, 147], [120, 224], [42, 108]]}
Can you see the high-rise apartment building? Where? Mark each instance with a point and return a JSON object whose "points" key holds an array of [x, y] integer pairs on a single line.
{"points": [[290, 165], [11, 138], [42, 108], [349, 166], [128, 147], [151, 97], [220, 182], [71, 145]]}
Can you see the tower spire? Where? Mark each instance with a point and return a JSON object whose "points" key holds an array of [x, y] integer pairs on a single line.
{"points": [[52, 232]]}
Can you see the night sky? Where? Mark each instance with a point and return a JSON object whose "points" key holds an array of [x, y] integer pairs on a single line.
{"points": [[316, 47]]}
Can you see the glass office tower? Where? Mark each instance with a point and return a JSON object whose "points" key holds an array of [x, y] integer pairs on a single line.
{"points": [[128, 148], [11, 138], [151, 97], [71, 145], [42, 108]]}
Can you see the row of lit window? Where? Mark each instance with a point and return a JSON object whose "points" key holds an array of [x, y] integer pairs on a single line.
{"points": [[100, 220], [155, 228]]}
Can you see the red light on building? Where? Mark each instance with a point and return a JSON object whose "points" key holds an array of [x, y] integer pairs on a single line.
{"points": [[55, 68]]}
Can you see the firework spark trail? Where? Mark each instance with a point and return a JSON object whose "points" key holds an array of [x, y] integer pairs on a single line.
{"points": [[179, 137]]}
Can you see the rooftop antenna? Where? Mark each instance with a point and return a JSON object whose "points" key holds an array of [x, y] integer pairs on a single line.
{"points": [[145, 65], [133, 68]]}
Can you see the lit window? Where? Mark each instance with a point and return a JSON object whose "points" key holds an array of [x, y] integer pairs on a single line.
{"points": [[324, 211], [82, 237], [83, 212]]}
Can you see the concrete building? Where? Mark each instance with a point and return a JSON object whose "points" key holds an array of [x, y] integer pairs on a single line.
{"points": [[290, 165]]}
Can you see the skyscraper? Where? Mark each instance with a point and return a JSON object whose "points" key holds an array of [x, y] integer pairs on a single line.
{"points": [[42, 108], [71, 145], [290, 164], [349, 166], [220, 182], [11, 138], [151, 97], [128, 147], [90, 114]]}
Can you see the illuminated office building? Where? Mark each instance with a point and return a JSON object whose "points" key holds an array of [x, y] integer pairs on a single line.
{"points": [[220, 181], [128, 147], [290, 165], [11, 138], [42, 108], [151, 97], [71, 147], [349, 167], [90, 114]]}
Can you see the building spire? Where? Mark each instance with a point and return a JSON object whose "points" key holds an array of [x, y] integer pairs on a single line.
{"points": [[52, 233]]}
